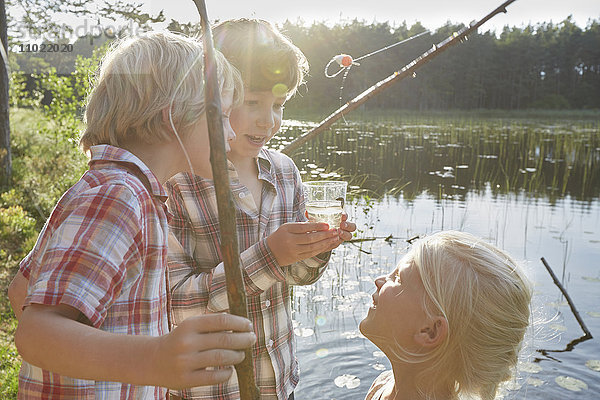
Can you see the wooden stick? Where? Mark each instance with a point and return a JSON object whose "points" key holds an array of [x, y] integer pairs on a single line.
{"points": [[397, 76], [588, 334], [236, 293]]}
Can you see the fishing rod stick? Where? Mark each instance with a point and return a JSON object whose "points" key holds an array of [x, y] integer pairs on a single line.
{"points": [[397, 76], [236, 293]]}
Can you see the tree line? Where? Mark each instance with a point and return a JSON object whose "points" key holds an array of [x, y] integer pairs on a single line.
{"points": [[547, 66]]}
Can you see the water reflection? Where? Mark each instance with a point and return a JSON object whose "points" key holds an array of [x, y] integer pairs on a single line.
{"points": [[532, 189], [455, 158]]}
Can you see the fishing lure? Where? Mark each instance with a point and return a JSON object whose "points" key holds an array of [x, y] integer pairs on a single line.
{"points": [[346, 61]]}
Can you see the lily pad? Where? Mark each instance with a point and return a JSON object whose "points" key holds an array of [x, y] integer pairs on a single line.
{"points": [[590, 279], [572, 384], [594, 365], [557, 304], [513, 385], [593, 314], [535, 382], [352, 334], [304, 332], [532, 368], [558, 327], [345, 307], [349, 381], [378, 367]]}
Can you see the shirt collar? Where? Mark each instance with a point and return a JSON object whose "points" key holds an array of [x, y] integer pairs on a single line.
{"points": [[118, 155], [265, 170], [263, 163]]}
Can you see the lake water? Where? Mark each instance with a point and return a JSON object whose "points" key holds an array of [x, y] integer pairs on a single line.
{"points": [[532, 187]]}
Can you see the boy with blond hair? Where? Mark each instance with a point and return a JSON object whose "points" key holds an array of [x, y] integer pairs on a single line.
{"points": [[94, 288], [279, 248]]}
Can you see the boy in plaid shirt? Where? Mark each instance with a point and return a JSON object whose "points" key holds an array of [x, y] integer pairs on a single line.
{"points": [[279, 249], [94, 287]]}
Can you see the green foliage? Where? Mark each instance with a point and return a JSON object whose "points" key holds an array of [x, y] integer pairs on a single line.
{"points": [[17, 232], [9, 371], [64, 62], [45, 163], [40, 18], [44, 166], [61, 97], [46, 158], [19, 96]]}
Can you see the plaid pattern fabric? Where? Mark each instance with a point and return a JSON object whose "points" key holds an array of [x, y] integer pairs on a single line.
{"points": [[102, 251], [197, 275]]}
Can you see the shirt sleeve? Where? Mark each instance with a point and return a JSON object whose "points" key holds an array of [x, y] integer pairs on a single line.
{"points": [[308, 271], [85, 259], [27, 263], [196, 288]]}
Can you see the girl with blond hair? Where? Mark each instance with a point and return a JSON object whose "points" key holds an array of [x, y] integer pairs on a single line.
{"points": [[450, 318]]}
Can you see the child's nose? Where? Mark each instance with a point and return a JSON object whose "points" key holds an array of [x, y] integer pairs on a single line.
{"points": [[228, 133], [266, 120], [379, 281]]}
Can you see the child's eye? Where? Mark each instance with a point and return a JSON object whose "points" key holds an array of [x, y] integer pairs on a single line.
{"points": [[397, 277], [251, 102]]}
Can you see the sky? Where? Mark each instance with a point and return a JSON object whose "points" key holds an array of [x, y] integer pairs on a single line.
{"points": [[431, 13]]}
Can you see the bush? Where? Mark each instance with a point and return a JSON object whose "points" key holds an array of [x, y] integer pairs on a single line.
{"points": [[17, 232], [9, 371]]}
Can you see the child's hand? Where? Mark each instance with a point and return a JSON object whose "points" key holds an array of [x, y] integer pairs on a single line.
{"points": [[296, 241], [199, 342], [346, 228]]}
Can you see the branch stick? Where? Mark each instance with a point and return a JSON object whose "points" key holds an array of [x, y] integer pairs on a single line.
{"points": [[571, 304], [236, 293]]}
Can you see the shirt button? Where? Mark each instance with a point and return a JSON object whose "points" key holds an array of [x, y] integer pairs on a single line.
{"points": [[270, 343], [267, 303], [242, 195]]}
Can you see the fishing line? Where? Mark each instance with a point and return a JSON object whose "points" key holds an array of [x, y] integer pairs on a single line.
{"points": [[346, 62], [187, 157]]}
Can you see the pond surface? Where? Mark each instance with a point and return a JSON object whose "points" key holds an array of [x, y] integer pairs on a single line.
{"points": [[530, 187]]}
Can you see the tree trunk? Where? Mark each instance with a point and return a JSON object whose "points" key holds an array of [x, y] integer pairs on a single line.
{"points": [[5, 157]]}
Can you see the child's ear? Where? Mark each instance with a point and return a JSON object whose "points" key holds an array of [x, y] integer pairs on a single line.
{"points": [[434, 333]]}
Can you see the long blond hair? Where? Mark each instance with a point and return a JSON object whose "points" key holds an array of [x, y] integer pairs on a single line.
{"points": [[485, 297]]}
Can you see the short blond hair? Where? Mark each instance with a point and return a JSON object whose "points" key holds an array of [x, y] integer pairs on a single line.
{"points": [[485, 297], [265, 57], [137, 80]]}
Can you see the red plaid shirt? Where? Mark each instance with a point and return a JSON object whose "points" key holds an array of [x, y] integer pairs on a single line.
{"points": [[197, 276], [102, 251]]}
